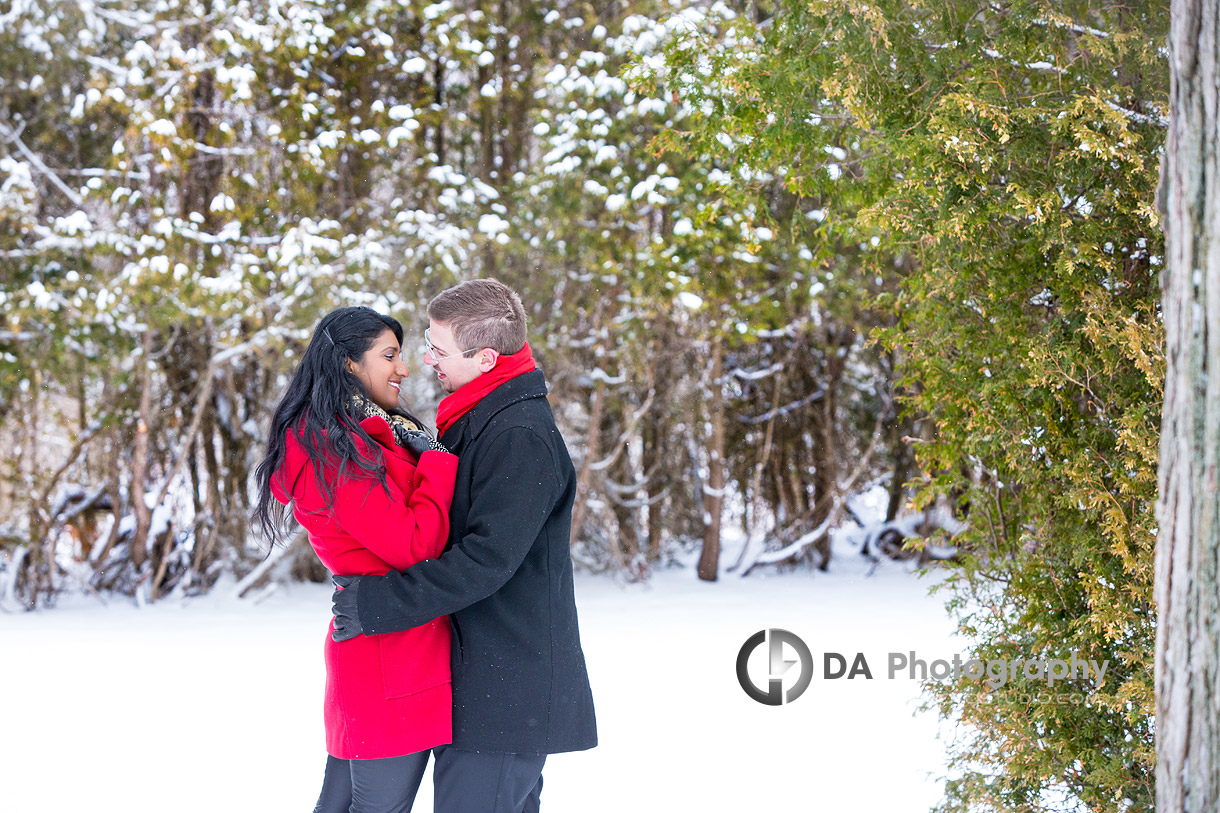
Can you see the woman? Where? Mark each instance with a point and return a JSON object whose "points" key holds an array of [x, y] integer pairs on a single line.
{"points": [[373, 491]]}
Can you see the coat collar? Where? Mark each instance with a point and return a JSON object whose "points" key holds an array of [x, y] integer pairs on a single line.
{"points": [[513, 391], [378, 430]]}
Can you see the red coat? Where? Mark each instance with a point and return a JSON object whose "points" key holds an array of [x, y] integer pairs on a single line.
{"points": [[386, 695]]}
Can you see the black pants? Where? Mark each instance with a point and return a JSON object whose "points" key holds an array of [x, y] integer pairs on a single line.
{"points": [[371, 785], [486, 781]]}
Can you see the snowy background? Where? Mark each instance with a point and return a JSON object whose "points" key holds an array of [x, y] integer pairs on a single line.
{"points": [[676, 730]]}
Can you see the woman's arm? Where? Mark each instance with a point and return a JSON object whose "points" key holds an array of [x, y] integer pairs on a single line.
{"points": [[397, 529]]}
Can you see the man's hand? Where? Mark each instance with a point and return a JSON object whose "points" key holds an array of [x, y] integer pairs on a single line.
{"points": [[347, 620], [420, 442]]}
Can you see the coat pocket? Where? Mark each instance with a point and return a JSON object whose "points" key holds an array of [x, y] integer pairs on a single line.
{"points": [[416, 659]]}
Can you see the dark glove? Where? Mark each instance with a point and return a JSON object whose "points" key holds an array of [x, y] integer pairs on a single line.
{"points": [[347, 620], [420, 442]]}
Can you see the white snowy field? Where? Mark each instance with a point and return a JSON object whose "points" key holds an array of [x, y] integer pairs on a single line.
{"points": [[214, 704]]}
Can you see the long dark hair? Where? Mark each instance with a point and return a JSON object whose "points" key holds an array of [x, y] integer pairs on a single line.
{"points": [[317, 407]]}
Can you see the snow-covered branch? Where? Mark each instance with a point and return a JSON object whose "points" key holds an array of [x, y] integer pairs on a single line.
{"points": [[1138, 118], [227, 237], [598, 374], [627, 434], [109, 66], [273, 557], [1074, 28], [786, 409], [205, 148], [14, 138], [77, 448], [144, 25], [757, 375], [1034, 66], [835, 498], [800, 544], [787, 331]]}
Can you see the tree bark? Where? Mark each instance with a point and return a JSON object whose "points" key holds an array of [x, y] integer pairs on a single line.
{"points": [[40, 563], [709, 560], [139, 458], [1188, 544], [825, 444], [592, 450], [584, 480]]}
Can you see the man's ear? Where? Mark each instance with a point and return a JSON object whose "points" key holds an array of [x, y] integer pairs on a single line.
{"points": [[487, 359]]}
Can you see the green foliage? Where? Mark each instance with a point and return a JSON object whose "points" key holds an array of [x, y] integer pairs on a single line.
{"points": [[216, 174], [1002, 162]]}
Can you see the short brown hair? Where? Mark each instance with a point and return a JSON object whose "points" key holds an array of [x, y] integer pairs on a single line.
{"points": [[482, 313]]}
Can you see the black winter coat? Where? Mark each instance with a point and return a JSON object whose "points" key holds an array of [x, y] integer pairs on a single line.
{"points": [[505, 579]]}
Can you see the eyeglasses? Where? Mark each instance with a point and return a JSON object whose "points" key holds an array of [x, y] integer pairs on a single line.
{"points": [[432, 348]]}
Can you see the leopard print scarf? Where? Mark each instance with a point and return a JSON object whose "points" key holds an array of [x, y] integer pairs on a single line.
{"points": [[400, 423]]}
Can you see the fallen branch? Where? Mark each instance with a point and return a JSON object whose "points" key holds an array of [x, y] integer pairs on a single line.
{"points": [[796, 547], [832, 516], [277, 553], [77, 448]]}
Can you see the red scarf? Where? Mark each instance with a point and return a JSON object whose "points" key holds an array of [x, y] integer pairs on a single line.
{"points": [[466, 398]]}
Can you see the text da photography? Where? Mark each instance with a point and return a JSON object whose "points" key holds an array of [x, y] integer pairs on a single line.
{"points": [[776, 666]]}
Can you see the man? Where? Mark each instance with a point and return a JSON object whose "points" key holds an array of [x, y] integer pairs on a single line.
{"points": [[520, 689]]}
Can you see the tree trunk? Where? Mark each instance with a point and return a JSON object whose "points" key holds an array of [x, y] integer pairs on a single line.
{"points": [[139, 458], [40, 563], [1188, 543], [592, 450], [709, 561], [826, 445], [111, 464], [900, 450], [584, 480]]}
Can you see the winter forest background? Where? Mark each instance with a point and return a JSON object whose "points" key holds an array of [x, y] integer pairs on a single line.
{"points": [[775, 255]]}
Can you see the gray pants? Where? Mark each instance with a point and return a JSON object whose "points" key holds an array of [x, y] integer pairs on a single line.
{"points": [[486, 781], [371, 785]]}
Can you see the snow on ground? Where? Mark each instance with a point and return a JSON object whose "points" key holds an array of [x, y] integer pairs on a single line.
{"points": [[214, 704]]}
